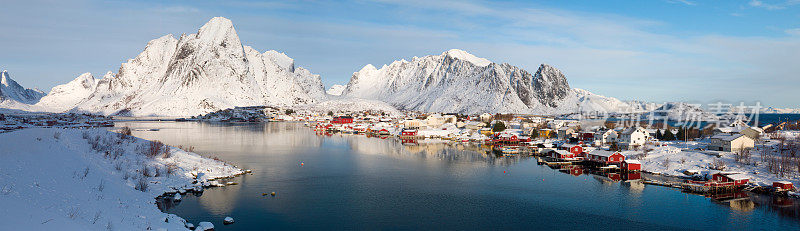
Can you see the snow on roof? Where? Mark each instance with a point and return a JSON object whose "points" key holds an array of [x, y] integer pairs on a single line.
{"points": [[738, 177], [632, 162], [598, 152], [730, 129], [563, 152], [783, 182], [630, 130], [727, 137]]}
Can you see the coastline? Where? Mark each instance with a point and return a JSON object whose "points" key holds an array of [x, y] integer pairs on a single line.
{"points": [[91, 179]]}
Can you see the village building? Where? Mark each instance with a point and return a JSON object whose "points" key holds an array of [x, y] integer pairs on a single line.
{"points": [[730, 142], [632, 137], [605, 137], [605, 157], [631, 165], [734, 178], [565, 132], [486, 117], [408, 133], [342, 120], [411, 123], [437, 120], [546, 132], [752, 132], [782, 185]]}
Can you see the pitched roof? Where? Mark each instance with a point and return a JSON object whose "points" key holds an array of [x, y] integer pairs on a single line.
{"points": [[738, 177], [630, 130], [598, 152], [727, 137], [632, 162]]}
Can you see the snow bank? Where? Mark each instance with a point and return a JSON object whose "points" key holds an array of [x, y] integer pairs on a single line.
{"points": [[676, 157], [55, 179]]}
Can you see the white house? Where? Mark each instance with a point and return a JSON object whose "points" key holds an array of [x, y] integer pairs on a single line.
{"points": [[486, 117], [437, 120], [730, 142], [605, 137], [633, 136]]}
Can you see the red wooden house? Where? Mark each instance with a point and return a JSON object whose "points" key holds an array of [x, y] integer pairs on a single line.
{"points": [[631, 165], [605, 157], [562, 154], [735, 178], [577, 150], [342, 120], [782, 185], [408, 132]]}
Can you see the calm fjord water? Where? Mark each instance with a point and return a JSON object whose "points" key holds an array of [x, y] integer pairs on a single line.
{"points": [[355, 182]]}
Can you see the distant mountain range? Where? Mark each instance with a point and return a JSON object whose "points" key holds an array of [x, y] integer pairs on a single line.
{"points": [[772, 110], [211, 70], [457, 81]]}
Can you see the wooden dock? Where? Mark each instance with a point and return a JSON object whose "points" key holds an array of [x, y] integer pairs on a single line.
{"points": [[548, 162]]}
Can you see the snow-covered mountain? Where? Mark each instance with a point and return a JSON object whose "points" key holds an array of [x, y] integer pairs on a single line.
{"points": [[14, 96], [457, 81], [67, 96], [590, 102], [336, 89], [191, 75], [680, 111], [774, 110]]}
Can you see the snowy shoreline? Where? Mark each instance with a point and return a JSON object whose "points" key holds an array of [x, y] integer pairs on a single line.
{"points": [[674, 158], [94, 179]]}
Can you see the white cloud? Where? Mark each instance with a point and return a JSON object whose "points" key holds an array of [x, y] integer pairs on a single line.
{"points": [[630, 58], [685, 2], [793, 31], [773, 6]]}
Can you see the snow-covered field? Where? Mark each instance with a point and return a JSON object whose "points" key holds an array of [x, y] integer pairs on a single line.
{"points": [[56, 179], [675, 157]]}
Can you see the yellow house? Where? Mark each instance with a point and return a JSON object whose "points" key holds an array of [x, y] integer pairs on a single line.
{"points": [[545, 132]]}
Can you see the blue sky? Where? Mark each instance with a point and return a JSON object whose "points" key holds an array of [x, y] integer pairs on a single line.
{"points": [[659, 50]]}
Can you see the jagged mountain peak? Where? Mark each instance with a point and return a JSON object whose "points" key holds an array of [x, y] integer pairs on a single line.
{"points": [[457, 81], [4, 79], [217, 30], [368, 67], [11, 93], [108, 75], [466, 56], [549, 72]]}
